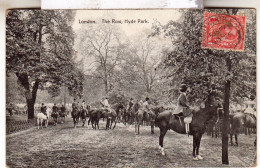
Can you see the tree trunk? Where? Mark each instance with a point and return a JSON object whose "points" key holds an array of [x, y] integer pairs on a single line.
{"points": [[29, 95], [106, 86], [30, 108], [225, 127]]}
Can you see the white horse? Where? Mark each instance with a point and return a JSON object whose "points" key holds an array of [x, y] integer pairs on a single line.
{"points": [[42, 117]]}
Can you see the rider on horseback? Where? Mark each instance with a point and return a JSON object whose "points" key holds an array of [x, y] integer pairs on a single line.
{"points": [[44, 109], [250, 109], [182, 108], [130, 105], [54, 108], [146, 105], [83, 104], [106, 105], [62, 109], [74, 106]]}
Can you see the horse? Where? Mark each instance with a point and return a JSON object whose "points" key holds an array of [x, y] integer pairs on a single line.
{"points": [[238, 121], [62, 115], [129, 115], [42, 117], [152, 116], [214, 126], [94, 117], [119, 109], [111, 118], [166, 121], [75, 115], [55, 116], [140, 114], [83, 115]]}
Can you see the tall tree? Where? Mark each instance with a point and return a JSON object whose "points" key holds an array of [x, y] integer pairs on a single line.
{"points": [[39, 50], [148, 54], [101, 50]]}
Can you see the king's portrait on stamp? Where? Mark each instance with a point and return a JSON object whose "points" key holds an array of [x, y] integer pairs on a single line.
{"points": [[131, 88]]}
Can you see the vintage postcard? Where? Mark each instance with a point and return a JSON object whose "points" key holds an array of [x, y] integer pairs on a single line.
{"points": [[131, 88]]}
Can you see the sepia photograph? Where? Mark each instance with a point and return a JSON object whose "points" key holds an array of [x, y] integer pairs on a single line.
{"points": [[131, 88]]}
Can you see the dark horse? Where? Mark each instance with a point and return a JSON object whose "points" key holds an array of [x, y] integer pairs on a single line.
{"points": [[145, 115], [120, 111], [83, 115], [75, 115], [94, 116], [55, 116], [62, 114], [238, 121], [166, 121], [111, 118]]}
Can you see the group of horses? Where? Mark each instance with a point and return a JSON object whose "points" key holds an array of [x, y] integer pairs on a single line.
{"points": [[164, 119], [44, 118], [118, 113]]}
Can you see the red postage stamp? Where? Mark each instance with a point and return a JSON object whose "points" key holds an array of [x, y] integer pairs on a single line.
{"points": [[221, 31]]}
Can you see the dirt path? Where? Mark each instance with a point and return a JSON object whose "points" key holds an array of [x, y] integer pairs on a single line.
{"points": [[64, 146]]}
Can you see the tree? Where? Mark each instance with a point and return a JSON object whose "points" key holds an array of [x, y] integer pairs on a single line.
{"points": [[39, 50], [148, 54], [101, 49]]}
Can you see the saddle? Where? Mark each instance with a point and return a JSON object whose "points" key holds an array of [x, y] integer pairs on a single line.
{"points": [[186, 114]]}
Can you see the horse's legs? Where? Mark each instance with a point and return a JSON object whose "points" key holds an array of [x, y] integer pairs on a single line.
{"points": [[83, 120], [231, 140], [41, 123], [75, 122], [111, 122], [38, 123], [196, 144], [236, 139], [194, 147], [107, 124], [114, 125], [163, 131], [98, 124], [138, 127], [198, 147], [152, 126]]}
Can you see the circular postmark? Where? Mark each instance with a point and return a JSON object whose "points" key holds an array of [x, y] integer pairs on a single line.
{"points": [[222, 31]]}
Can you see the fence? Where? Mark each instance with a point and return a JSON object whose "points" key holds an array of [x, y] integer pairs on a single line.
{"points": [[15, 126]]}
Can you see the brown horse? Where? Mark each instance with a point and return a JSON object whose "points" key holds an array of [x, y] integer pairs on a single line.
{"points": [[75, 115], [83, 115], [166, 121], [238, 121], [96, 114], [147, 116], [111, 118]]}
